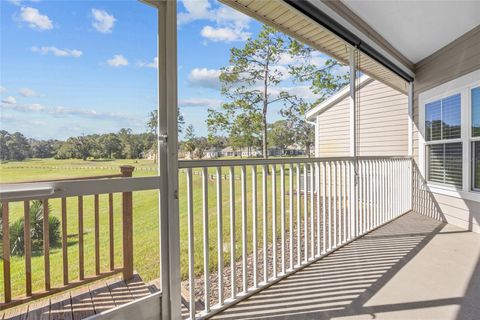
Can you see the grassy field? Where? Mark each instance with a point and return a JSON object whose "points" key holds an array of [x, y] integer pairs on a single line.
{"points": [[146, 241]]}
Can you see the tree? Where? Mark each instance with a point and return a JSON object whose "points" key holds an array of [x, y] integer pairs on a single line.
{"points": [[302, 131], [190, 140], [281, 134], [324, 80], [247, 81], [152, 129], [110, 146]]}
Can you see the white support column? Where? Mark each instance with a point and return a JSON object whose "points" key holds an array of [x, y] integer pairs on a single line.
{"points": [[410, 119], [353, 141], [353, 104], [410, 139], [168, 159]]}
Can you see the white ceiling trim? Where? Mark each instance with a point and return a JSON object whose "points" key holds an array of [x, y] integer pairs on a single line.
{"points": [[323, 7]]}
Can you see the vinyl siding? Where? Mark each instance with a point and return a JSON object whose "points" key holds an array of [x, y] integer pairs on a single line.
{"points": [[382, 124], [459, 58]]}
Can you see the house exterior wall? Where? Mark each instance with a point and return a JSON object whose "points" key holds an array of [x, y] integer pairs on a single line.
{"points": [[382, 124], [459, 58]]}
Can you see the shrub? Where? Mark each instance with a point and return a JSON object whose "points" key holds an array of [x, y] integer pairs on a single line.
{"points": [[17, 240]]}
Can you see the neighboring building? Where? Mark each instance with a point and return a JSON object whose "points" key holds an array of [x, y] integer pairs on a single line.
{"points": [[213, 153], [382, 120], [294, 150], [275, 152]]}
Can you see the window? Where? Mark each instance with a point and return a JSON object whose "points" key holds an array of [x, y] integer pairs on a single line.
{"points": [[443, 140], [475, 103]]}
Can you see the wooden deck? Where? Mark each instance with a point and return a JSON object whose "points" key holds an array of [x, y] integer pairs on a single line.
{"points": [[82, 302]]}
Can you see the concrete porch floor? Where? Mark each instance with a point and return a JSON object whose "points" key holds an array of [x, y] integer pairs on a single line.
{"points": [[412, 268]]}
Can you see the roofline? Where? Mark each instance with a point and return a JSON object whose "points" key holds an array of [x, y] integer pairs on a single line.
{"points": [[337, 97]]}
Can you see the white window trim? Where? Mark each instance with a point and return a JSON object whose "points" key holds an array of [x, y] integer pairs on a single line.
{"points": [[462, 85]]}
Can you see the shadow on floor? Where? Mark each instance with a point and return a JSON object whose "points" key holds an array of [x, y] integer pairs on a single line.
{"points": [[341, 284]]}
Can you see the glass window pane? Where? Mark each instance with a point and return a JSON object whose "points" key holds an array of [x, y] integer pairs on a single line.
{"points": [[476, 165], [445, 163], [476, 112], [433, 120], [451, 117], [435, 162]]}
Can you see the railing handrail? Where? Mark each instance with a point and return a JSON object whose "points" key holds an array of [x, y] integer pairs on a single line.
{"points": [[184, 164], [73, 188], [106, 176]]}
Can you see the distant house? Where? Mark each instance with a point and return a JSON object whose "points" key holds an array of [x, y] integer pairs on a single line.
{"points": [[382, 122], [229, 152], [275, 152], [294, 150], [213, 153]]}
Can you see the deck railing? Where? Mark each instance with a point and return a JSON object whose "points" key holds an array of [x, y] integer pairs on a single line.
{"points": [[62, 190], [290, 213]]}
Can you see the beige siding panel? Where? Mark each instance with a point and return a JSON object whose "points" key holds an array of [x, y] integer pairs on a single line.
{"points": [[458, 58], [334, 131], [383, 121], [382, 124]]}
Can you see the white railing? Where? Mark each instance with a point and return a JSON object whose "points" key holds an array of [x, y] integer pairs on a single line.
{"points": [[290, 213]]}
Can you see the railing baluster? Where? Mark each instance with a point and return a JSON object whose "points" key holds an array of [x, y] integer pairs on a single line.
{"points": [[7, 284], [274, 221], [219, 236], [299, 221], [370, 194], [291, 228], [324, 207], [191, 247], [312, 214], [64, 240], [46, 244], [244, 229], [97, 234], [81, 263], [206, 242], [335, 198], [340, 202], [329, 193], [254, 226], [282, 212], [233, 258], [344, 191], [28, 248], [317, 181], [305, 212], [110, 232], [265, 224]]}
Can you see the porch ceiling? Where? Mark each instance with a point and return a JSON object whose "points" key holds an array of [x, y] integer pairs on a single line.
{"points": [[417, 28], [289, 20]]}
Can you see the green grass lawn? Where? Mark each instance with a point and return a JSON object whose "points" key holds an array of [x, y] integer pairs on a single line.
{"points": [[146, 240]]}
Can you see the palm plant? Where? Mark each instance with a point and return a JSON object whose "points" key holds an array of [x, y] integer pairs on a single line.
{"points": [[17, 240]]}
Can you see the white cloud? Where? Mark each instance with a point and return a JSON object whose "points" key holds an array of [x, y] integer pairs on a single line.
{"points": [[32, 107], [58, 52], [144, 64], [15, 2], [230, 24], [35, 19], [117, 61], [199, 102], [9, 100], [26, 92], [203, 77], [63, 112], [196, 10], [102, 21], [2, 89], [225, 34]]}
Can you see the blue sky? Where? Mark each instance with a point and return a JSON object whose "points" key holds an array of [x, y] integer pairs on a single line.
{"points": [[81, 67]]}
